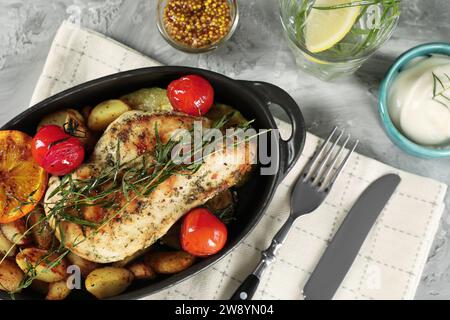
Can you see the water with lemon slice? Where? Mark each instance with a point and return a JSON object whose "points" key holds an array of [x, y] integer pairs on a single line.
{"points": [[332, 38]]}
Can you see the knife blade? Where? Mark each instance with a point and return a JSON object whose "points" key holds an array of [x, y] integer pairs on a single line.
{"points": [[345, 245]]}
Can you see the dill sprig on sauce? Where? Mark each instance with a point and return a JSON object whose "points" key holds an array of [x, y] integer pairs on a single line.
{"points": [[439, 94]]}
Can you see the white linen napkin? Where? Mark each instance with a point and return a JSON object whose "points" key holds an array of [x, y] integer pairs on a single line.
{"points": [[389, 264]]}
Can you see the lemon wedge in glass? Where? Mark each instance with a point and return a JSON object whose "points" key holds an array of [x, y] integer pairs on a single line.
{"points": [[326, 27]]}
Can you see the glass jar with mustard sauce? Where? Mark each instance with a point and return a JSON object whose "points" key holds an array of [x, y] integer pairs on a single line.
{"points": [[197, 26]]}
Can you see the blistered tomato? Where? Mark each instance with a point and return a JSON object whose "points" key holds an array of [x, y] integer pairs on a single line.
{"points": [[56, 151], [191, 94], [202, 233]]}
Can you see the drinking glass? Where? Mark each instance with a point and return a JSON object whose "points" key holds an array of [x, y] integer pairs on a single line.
{"points": [[373, 25]]}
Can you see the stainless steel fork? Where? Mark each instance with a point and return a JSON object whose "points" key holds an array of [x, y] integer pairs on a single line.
{"points": [[310, 190]]}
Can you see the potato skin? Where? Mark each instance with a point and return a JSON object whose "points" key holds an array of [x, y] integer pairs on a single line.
{"points": [[58, 290], [34, 257], [149, 100], [10, 276], [69, 116], [169, 262], [108, 281], [105, 113], [85, 266], [141, 271], [6, 246], [15, 232], [59, 118], [42, 233]]}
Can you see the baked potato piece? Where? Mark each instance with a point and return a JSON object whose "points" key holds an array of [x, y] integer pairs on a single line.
{"points": [[48, 267], [72, 121], [6, 247], [58, 290], [221, 201], [85, 266], [108, 281], [220, 110], [141, 271], [128, 260], [16, 232], [105, 113], [10, 276], [59, 118], [42, 233], [149, 100], [169, 262]]}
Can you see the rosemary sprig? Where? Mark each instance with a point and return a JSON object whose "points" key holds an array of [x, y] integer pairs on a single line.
{"points": [[359, 39], [356, 4], [125, 178]]}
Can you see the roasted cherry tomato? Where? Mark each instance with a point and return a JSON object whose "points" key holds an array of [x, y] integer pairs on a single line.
{"points": [[202, 233], [191, 94], [56, 151], [44, 139]]}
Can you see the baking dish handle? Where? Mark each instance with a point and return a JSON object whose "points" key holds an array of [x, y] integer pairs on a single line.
{"points": [[291, 148]]}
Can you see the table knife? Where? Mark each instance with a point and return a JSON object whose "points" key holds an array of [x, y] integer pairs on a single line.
{"points": [[345, 245]]}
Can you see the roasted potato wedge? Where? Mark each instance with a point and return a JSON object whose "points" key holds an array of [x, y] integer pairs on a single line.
{"points": [[41, 262], [141, 271], [169, 262], [105, 113], [10, 276], [219, 110], [42, 233], [16, 232], [221, 201], [149, 100], [128, 260], [58, 290], [6, 246], [108, 281], [59, 118], [85, 266], [72, 121]]}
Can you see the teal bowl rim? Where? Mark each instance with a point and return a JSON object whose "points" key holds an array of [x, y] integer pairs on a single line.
{"points": [[394, 134]]}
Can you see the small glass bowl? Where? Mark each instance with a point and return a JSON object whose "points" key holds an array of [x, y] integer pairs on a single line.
{"points": [[177, 45], [395, 134]]}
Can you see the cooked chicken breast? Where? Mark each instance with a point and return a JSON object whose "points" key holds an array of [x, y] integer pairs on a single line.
{"points": [[146, 218]]}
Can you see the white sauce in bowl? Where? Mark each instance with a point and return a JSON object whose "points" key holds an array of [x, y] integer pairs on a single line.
{"points": [[419, 100]]}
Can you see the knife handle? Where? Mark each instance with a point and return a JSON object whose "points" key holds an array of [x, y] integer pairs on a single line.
{"points": [[247, 289]]}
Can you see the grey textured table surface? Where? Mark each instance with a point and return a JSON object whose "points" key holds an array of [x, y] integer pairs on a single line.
{"points": [[257, 51]]}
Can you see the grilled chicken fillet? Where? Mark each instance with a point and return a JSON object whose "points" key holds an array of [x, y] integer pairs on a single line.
{"points": [[146, 218]]}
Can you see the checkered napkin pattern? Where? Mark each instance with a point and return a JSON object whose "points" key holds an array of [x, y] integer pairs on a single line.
{"points": [[391, 260]]}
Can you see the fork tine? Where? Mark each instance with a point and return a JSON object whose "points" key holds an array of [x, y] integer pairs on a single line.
{"points": [[326, 158], [310, 166], [342, 166], [326, 175]]}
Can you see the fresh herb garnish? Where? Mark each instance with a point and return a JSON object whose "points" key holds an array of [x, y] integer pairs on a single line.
{"points": [[440, 90], [133, 179]]}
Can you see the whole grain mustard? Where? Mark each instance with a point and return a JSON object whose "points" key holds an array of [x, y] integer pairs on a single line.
{"points": [[197, 23]]}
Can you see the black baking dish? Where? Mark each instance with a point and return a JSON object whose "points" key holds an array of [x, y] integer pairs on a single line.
{"points": [[250, 98]]}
